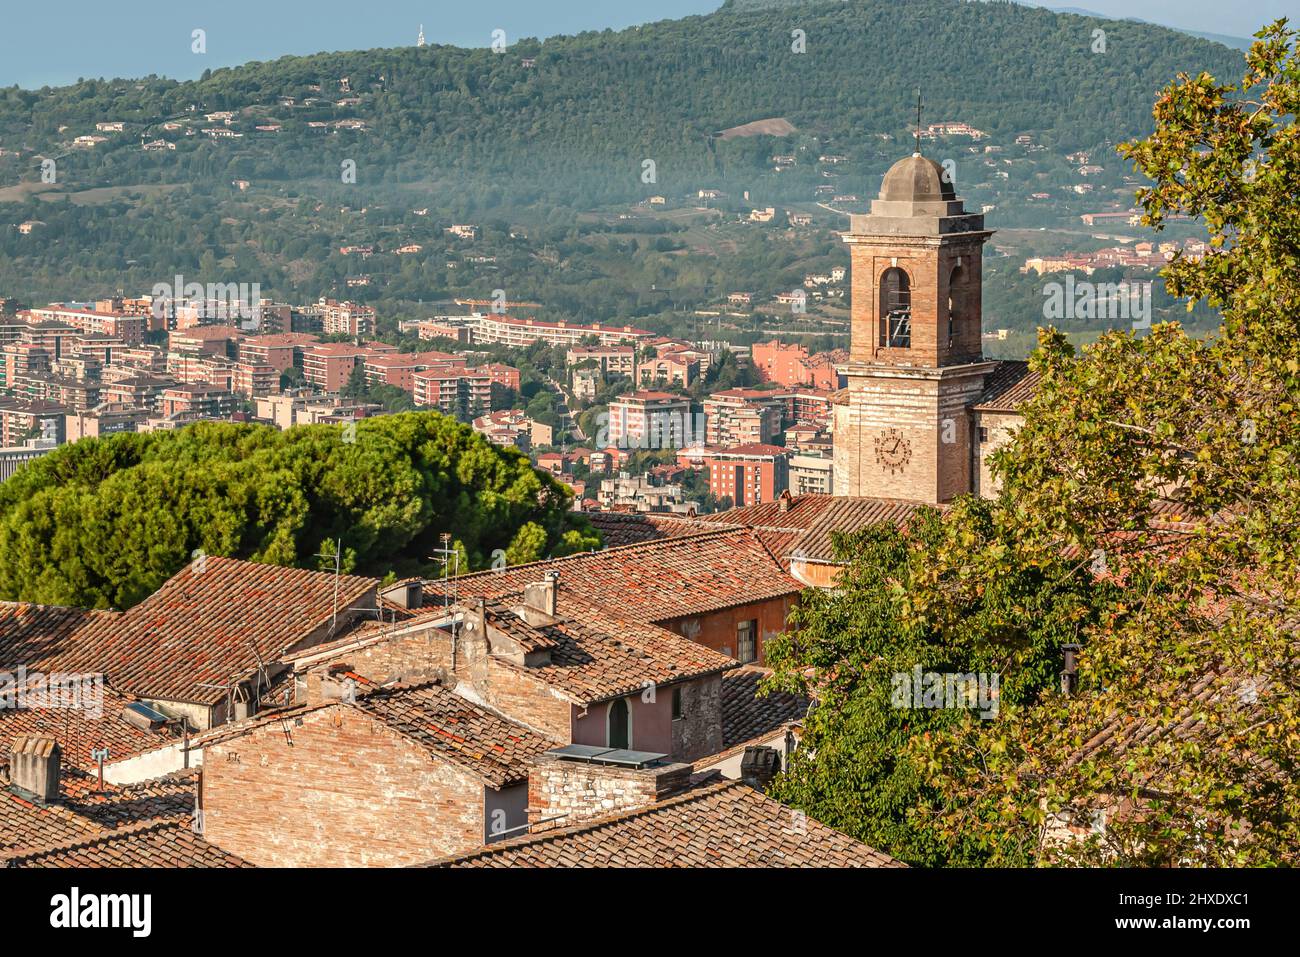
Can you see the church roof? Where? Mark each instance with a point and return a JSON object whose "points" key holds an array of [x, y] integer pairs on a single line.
{"points": [[1011, 385]]}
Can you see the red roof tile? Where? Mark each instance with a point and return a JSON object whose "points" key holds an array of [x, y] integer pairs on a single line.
{"points": [[597, 654], [719, 825], [746, 716], [1010, 386], [204, 626], [450, 727], [656, 581], [152, 844]]}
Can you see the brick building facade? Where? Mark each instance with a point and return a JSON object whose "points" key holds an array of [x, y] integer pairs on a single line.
{"points": [[904, 426]]}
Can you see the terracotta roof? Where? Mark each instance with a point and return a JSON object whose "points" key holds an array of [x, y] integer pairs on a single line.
{"points": [[596, 654], [803, 510], [25, 824], [624, 528], [152, 844], [171, 796], [849, 515], [39, 636], [659, 580], [490, 746], [1010, 385], [745, 716], [805, 526], [79, 731], [501, 616], [720, 825], [753, 449], [202, 627], [83, 810]]}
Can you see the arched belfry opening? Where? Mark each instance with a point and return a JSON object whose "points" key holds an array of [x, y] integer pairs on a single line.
{"points": [[956, 281], [895, 309]]}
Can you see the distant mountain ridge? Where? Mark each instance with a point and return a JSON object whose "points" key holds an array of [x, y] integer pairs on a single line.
{"points": [[240, 171], [1236, 43]]}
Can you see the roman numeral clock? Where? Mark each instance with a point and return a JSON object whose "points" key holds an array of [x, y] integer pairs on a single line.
{"points": [[893, 451]]}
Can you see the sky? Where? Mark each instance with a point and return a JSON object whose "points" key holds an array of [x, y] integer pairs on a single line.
{"points": [[55, 43]]}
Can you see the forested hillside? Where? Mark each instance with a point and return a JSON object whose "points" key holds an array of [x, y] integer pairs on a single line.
{"points": [[539, 135]]}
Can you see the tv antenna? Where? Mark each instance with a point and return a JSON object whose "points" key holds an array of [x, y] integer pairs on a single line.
{"points": [[338, 564], [450, 557]]}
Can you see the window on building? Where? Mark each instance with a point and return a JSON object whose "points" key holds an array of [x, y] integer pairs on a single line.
{"points": [[678, 714], [984, 435], [747, 641], [895, 297], [618, 728], [954, 281]]}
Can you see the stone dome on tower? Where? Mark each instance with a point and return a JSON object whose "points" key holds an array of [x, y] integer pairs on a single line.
{"points": [[917, 179], [917, 197]]}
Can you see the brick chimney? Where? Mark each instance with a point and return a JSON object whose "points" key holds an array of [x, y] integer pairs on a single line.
{"points": [[34, 766], [564, 791], [541, 599]]}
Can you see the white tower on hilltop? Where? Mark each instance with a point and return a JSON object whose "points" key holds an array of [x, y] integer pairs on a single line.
{"points": [[419, 42]]}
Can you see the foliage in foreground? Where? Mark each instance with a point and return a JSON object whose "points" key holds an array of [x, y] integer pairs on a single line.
{"points": [[103, 522], [1168, 469]]}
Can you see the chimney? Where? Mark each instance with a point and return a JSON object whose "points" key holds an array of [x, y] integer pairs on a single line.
{"points": [[783, 501], [541, 599], [1070, 670], [759, 766], [34, 766], [565, 789]]}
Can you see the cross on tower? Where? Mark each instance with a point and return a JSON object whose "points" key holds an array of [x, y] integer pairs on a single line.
{"points": [[918, 121]]}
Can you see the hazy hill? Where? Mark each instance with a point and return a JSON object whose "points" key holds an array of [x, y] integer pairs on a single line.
{"points": [[540, 133]]}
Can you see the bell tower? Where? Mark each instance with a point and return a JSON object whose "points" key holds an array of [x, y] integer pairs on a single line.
{"points": [[902, 425]]}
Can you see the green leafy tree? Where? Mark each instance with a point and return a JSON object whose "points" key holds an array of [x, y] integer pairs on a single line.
{"points": [[103, 522], [1149, 513], [944, 596]]}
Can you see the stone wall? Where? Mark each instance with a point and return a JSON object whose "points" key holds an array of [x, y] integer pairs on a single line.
{"points": [[575, 791]]}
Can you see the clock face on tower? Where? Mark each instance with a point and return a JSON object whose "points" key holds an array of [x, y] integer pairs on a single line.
{"points": [[893, 451]]}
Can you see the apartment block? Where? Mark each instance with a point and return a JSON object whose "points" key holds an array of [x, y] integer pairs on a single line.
{"points": [[649, 419], [743, 417], [748, 474]]}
